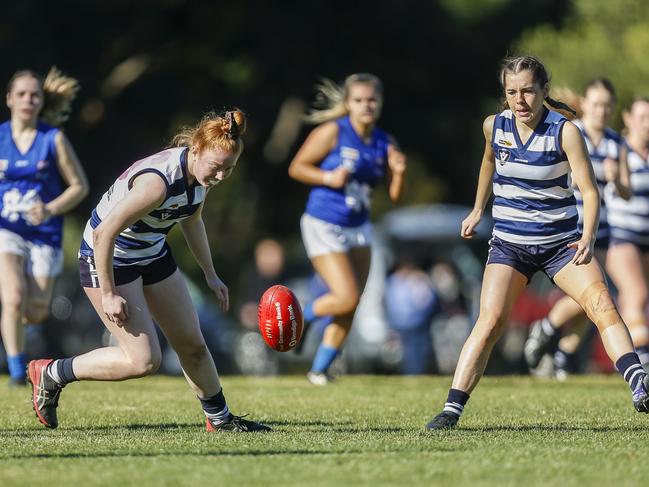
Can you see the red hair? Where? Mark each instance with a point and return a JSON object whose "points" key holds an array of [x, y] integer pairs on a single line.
{"points": [[215, 131]]}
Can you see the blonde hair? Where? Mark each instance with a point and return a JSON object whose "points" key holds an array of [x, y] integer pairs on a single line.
{"points": [[58, 93], [215, 131], [331, 97]]}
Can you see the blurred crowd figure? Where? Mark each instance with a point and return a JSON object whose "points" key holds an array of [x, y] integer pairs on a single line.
{"points": [[267, 270], [427, 311]]}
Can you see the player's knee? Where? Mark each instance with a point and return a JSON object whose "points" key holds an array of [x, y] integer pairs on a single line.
{"points": [[36, 312], [13, 301], [146, 365], [489, 325], [599, 306], [347, 302]]}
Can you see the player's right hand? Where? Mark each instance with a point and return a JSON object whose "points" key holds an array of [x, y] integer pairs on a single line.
{"points": [[469, 224], [115, 308], [337, 178]]}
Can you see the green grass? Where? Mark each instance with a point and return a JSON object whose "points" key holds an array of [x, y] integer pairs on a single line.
{"points": [[361, 431]]}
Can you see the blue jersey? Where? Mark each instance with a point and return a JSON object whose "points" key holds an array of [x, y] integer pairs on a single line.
{"points": [[144, 241], [350, 205], [534, 202], [607, 148], [629, 220], [28, 178]]}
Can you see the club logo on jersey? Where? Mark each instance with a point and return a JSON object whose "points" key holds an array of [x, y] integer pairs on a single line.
{"points": [[4, 164], [504, 142], [42, 164], [349, 156], [165, 215], [503, 156]]}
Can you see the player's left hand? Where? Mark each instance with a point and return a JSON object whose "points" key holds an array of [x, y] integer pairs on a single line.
{"points": [[38, 213], [584, 251], [396, 160], [220, 290]]}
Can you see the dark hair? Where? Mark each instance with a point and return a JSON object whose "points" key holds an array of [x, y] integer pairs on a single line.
{"points": [[601, 83], [540, 75]]}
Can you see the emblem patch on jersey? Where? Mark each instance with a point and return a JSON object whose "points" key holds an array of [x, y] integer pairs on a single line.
{"points": [[4, 164], [165, 215], [42, 164], [22, 163], [349, 156], [503, 156]]}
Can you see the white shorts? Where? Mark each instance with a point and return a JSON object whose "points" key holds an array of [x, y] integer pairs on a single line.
{"points": [[40, 260], [321, 237]]}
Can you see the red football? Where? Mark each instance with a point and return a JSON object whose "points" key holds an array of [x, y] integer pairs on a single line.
{"points": [[279, 318]]}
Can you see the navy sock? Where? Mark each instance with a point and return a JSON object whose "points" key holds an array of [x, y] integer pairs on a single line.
{"points": [[629, 366], [643, 353], [61, 371], [455, 402], [17, 364], [215, 407], [308, 313], [323, 359]]}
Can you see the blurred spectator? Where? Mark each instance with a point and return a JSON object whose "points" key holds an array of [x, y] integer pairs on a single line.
{"points": [[267, 271], [410, 303]]}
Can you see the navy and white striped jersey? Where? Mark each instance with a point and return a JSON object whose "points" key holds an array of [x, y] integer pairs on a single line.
{"points": [[534, 201], [144, 241], [629, 220], [608, 147]]}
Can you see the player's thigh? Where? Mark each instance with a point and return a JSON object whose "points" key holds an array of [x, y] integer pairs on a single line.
{"points": [[137, 336], [501, 286], [575, 279], [624, 263], [173, 310], [337, 271]]}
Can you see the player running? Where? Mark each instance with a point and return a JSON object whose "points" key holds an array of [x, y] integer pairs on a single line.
{"points": [[530, 155], [41, 179], [344, 158]]}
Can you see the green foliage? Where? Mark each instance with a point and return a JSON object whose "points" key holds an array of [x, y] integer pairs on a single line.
{"points": [[365, 431], [599, 38]]}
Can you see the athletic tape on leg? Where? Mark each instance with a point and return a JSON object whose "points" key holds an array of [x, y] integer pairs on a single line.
{"points": [[598, 305]]}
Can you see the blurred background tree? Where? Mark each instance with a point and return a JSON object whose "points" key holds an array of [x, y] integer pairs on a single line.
{"points": [[597, 38], [146, 67]]}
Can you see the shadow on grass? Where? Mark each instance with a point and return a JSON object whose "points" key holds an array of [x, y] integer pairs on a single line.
{"points": [[553, 428]]}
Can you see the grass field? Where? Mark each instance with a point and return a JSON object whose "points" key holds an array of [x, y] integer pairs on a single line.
{"points": [[364, 430]]}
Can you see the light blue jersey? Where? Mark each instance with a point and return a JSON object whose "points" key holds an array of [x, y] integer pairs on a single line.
{"points": [[629, 220], [26, 178], [145, 240], [534, 202], [607, 148], [350, 206]]}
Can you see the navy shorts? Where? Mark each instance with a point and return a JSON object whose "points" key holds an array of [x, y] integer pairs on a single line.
{"points": [[156, 271], [644, 248], [529, 259], [602, 243]]}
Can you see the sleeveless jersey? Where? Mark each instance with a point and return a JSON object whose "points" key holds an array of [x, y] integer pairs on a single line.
{"points": [[629, 220], [534, 202], [350, 205], [26, 178], [608, 147], [145, 240]]}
